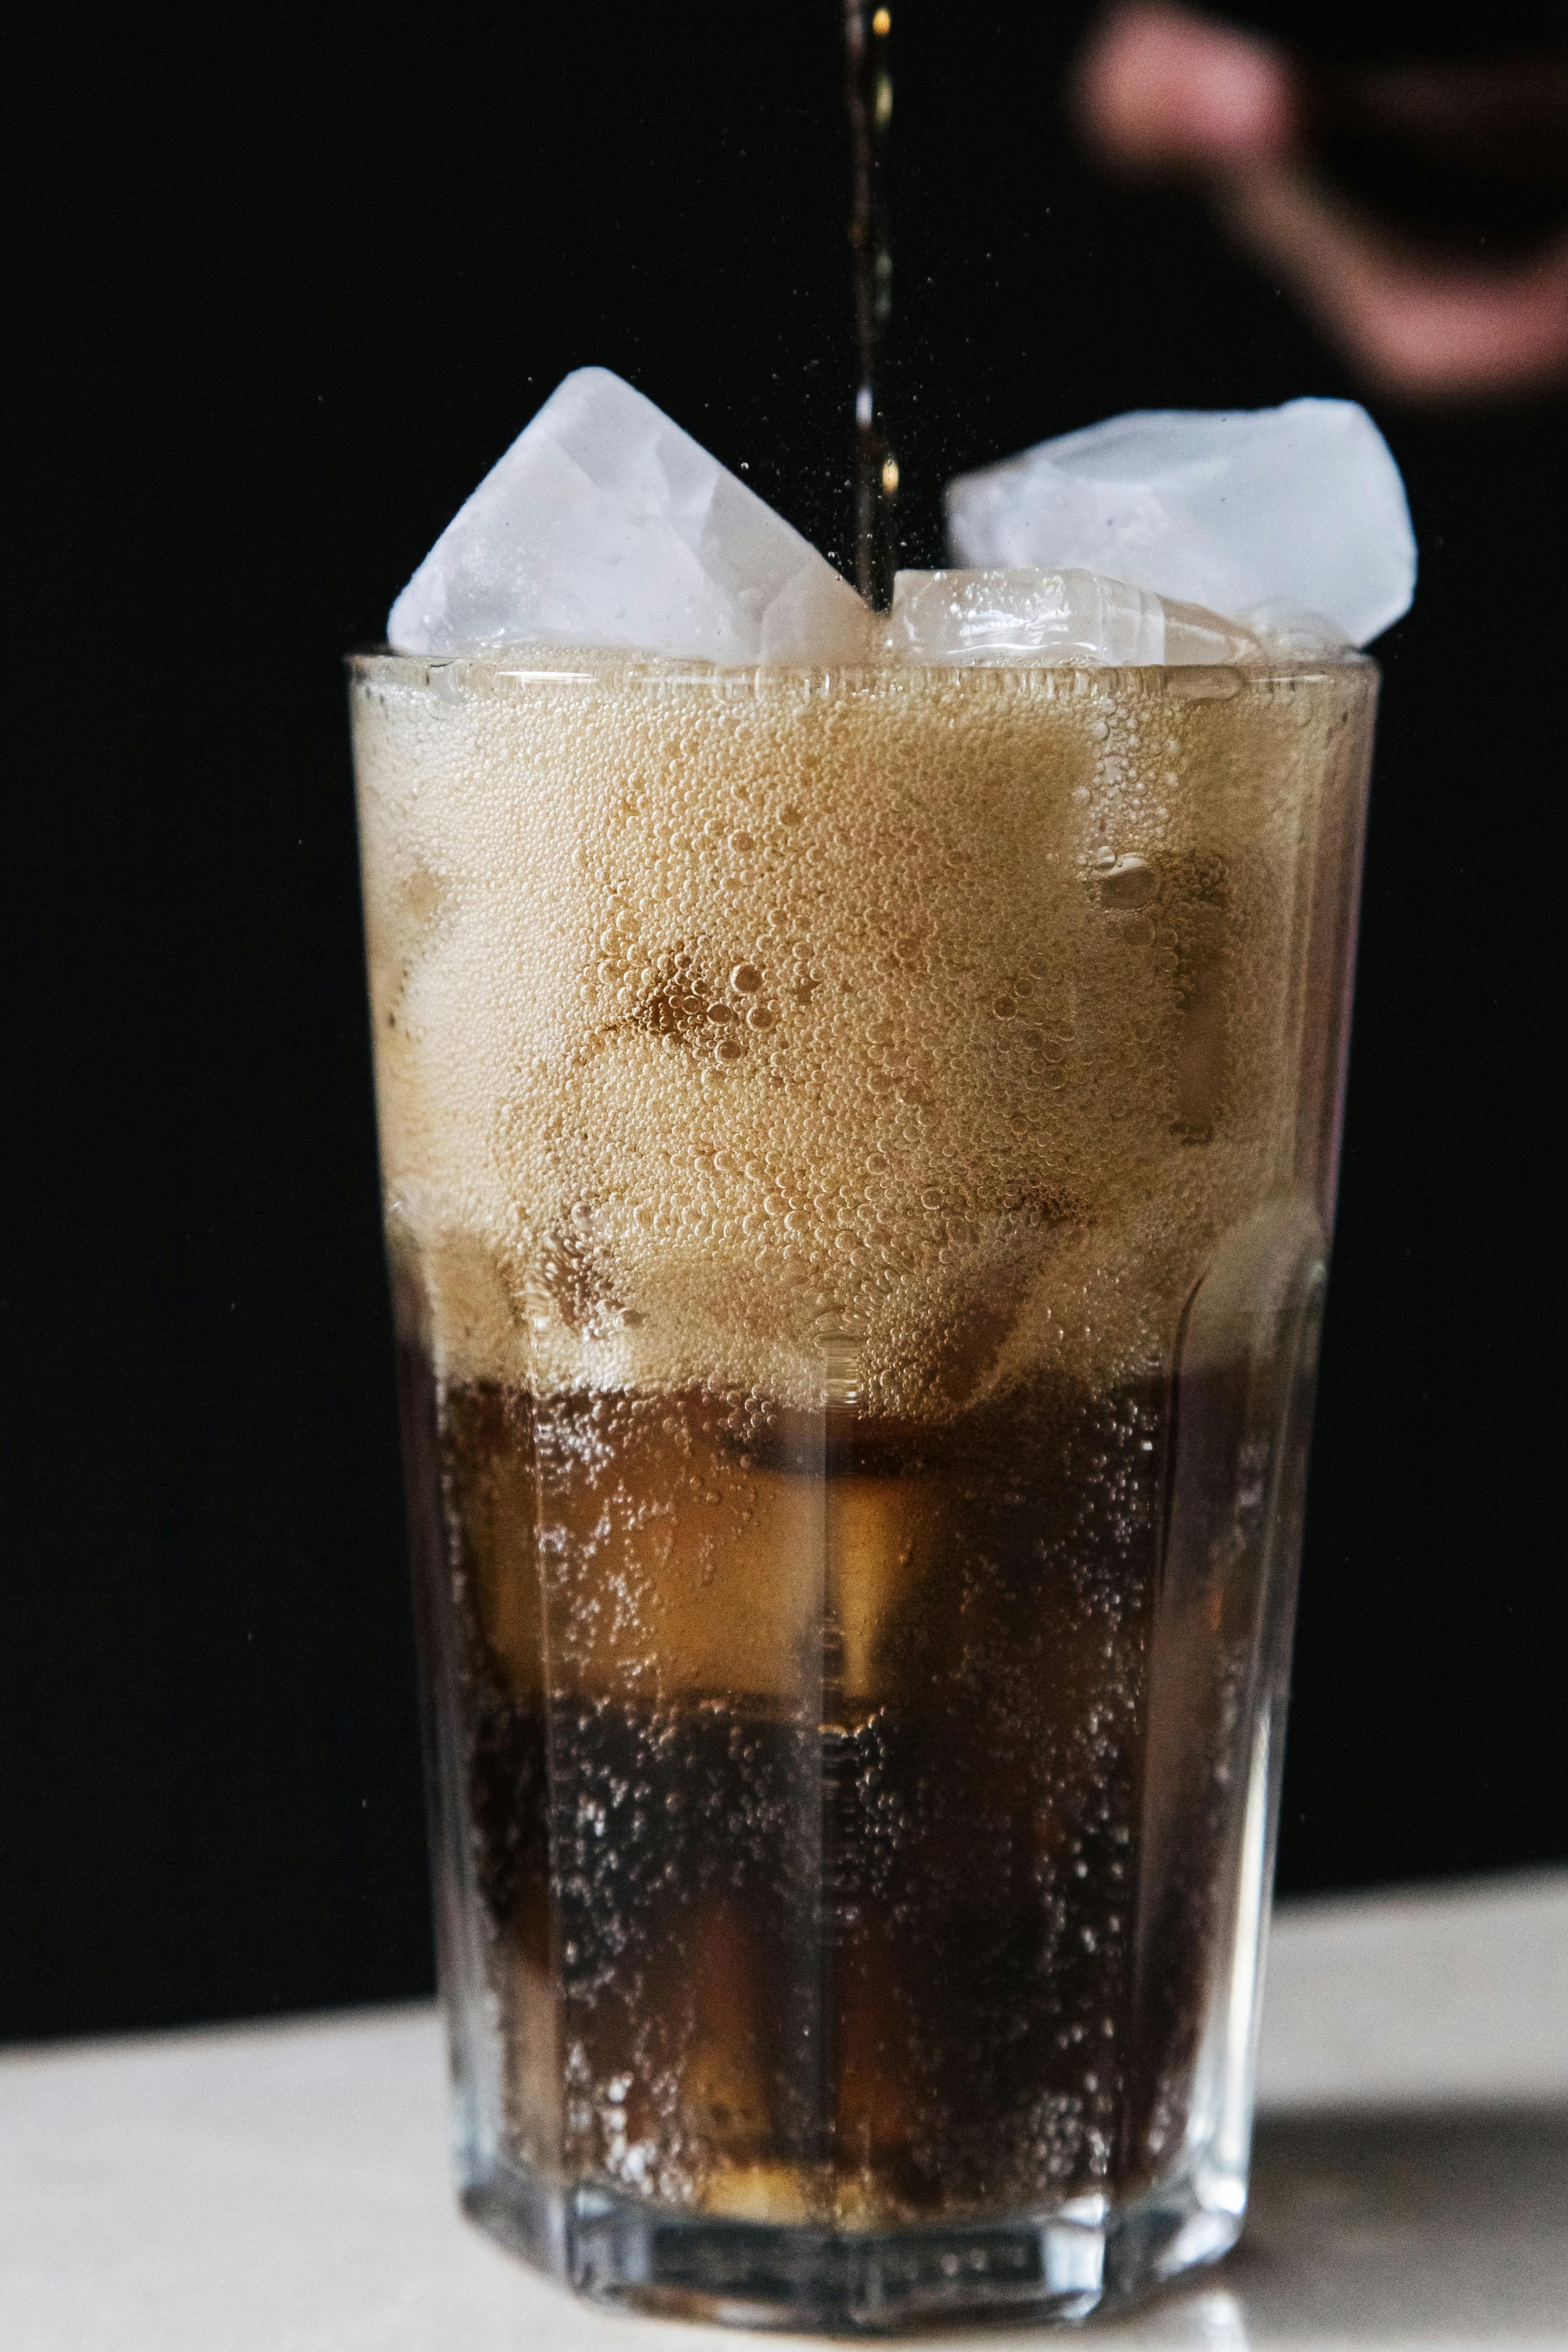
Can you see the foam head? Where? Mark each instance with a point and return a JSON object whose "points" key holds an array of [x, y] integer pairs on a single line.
{"points": [[606, 524], [957, 1003], [1299, 508]]}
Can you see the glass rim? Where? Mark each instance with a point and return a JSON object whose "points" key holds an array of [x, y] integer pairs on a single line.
{"points": [[484, 666]]}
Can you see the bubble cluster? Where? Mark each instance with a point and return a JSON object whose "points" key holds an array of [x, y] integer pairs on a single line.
{"points": [[960, 1004]]}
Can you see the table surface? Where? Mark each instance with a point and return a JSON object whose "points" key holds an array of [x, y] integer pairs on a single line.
{"points": [[282, 2188]]}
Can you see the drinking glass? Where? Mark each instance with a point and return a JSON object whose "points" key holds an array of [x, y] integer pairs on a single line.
{"points": [[858, 1152]]}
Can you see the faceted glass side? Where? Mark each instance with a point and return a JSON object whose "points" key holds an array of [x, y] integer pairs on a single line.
{"points": [[854, 1782]]}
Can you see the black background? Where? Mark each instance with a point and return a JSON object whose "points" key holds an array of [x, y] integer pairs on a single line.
{"points": [[290, 286]]}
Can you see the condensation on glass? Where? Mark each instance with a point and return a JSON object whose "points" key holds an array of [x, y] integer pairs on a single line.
{"points": [[858, 1150]]}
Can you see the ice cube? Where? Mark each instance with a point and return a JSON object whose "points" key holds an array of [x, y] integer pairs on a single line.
{"points": [[1299, 508], [606, 524], [1009, 618]]}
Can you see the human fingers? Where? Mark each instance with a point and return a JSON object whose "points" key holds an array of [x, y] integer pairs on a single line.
{"points": [[1158, 88], [1416, 326]]}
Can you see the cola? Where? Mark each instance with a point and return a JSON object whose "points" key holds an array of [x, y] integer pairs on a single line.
{"points": [[858, 1150]]}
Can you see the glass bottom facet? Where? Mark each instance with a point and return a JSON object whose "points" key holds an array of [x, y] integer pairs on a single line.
{"points": [[1089, 2254]]}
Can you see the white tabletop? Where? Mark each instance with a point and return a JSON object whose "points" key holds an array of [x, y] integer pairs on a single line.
{"points": [[283, 2187]]}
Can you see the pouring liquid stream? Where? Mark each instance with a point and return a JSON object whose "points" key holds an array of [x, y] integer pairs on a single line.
{"points": [[871, 96]]}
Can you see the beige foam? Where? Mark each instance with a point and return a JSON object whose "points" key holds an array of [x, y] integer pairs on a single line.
{"points": [[923, 1023]]}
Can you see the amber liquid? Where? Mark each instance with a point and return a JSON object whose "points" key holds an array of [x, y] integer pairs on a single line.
{"points": [[806, 1768]]}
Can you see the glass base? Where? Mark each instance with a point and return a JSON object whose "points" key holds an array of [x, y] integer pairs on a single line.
{"points": [[1085, 2256]]}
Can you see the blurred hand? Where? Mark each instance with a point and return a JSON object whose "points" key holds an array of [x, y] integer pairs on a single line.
{"points": [[1161, 90]]}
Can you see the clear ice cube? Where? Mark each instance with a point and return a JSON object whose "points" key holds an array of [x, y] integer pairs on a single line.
{"points": [[1300, 508], [1007, 618], [606, 524]]}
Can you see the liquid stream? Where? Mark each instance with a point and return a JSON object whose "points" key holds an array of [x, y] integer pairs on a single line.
{"points": [[870, 89]]}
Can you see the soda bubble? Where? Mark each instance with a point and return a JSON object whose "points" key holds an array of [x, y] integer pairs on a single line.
{"points": [[1128, 883]]}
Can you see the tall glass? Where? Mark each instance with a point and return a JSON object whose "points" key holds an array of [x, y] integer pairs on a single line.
{"points": [[858, 1152]]}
